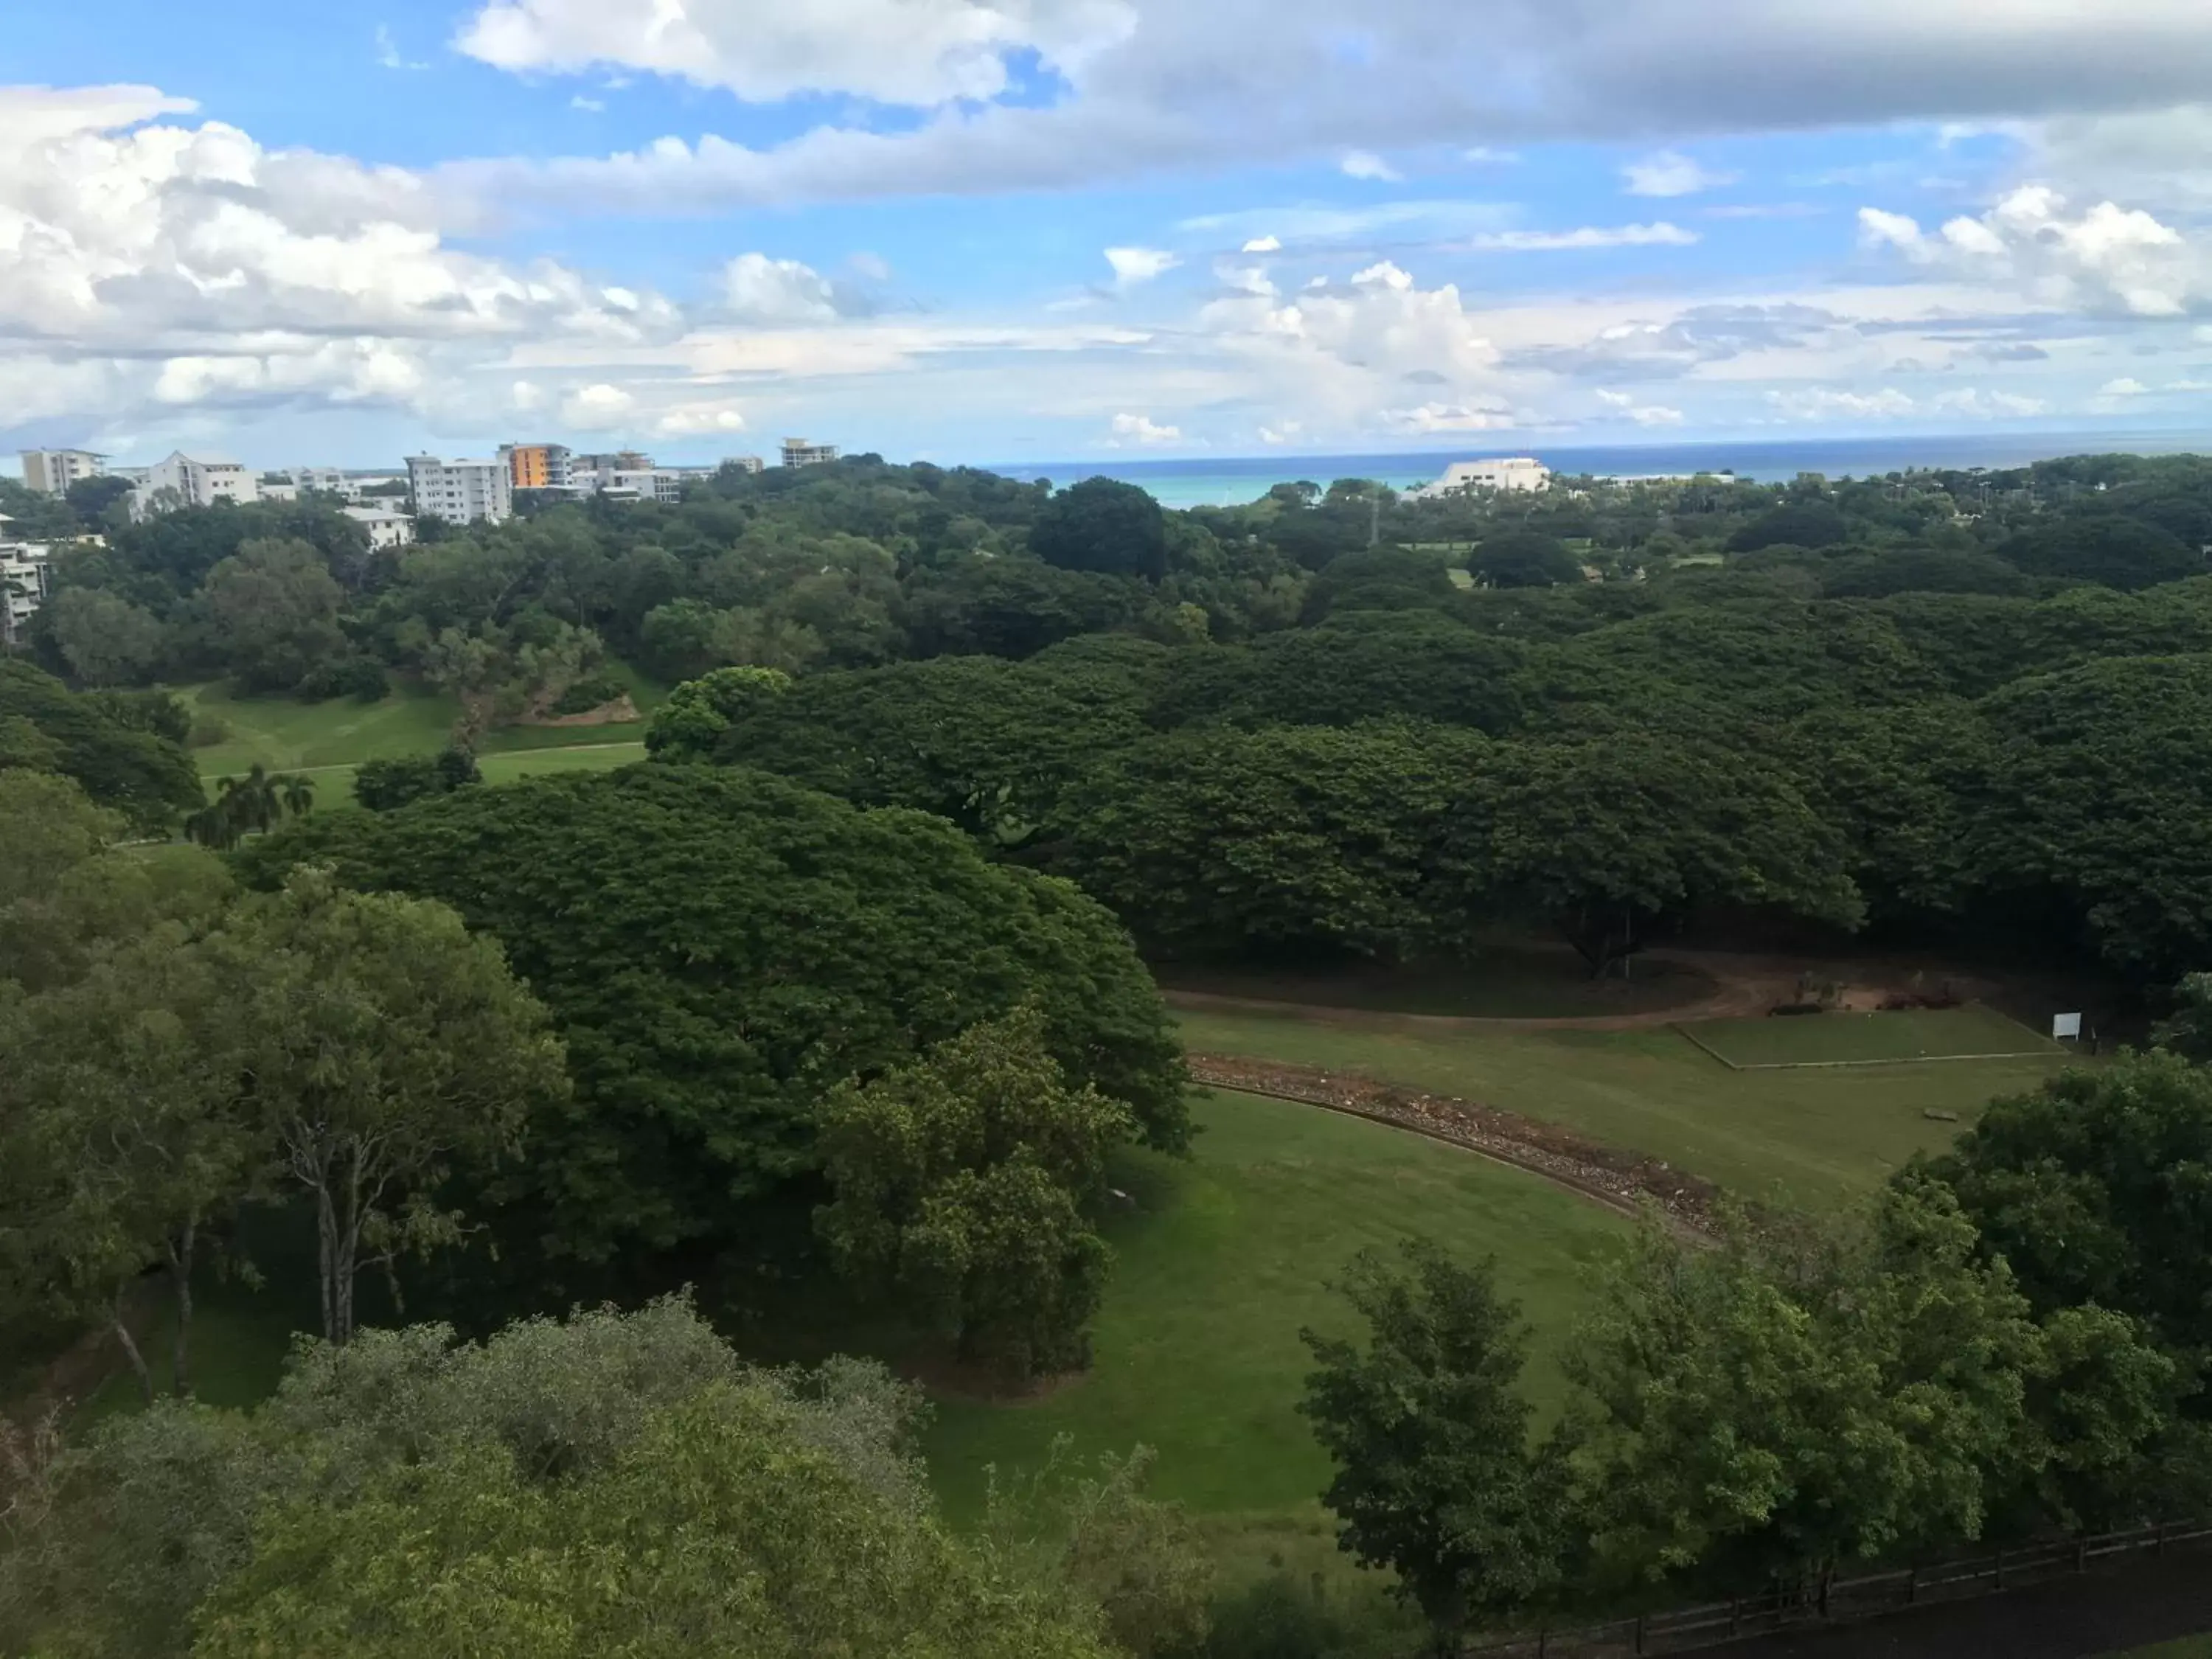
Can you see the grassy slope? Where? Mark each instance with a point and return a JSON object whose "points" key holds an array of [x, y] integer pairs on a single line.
{"points": [[1226, 1257], [1814, 1138], [1832, 1038], [1506, 981]]}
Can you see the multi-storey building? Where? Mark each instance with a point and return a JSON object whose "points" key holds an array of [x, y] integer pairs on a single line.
{"points": [[387, 529], [331, 480], [185, 480], [797, 451], [460, 492], [744, 463], [1520, 472], [536, 466], [53, 471], [23, 581]]}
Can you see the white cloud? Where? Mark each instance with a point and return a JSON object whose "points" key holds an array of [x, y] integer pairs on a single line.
{"points": [[388, 53], [2126, 386], [1144, 431], [912, 52], [1488, 155], [777, 292], [699, 420], [2108, 260], [1282, 432], [1365, 164], [1642, 414], [598, 408], [1430, 419], [1827, 404], [589, 105], [1133, 265], [1589, 236], [1264, 245], [1670, 173], [1308, 222]]}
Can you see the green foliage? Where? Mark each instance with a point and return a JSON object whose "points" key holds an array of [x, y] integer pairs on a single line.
{"points": [[1114, 528], [106, 747], [1524, 559], [1437, 1479], [2109, 549], [252, 805], [1812, 524], [383, 785], [593, 691], [2097, 1189], [961, 1184], [718, 948], [689, 724], [271, 609], [105, 639]]}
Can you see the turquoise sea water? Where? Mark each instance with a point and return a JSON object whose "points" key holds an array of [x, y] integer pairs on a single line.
{"points": [[1221, 481]]}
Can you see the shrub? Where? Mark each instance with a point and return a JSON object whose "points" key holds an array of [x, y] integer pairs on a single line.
{"points": [[593, 691]]}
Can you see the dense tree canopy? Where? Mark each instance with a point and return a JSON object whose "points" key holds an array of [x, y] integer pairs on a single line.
{"points": [[126, 752], [719, 948]]}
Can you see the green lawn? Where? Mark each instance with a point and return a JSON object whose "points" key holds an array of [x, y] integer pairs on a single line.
{"points": [[2188, 1647], [1812, 1138], [1867, 1039], [1224, 1258]]}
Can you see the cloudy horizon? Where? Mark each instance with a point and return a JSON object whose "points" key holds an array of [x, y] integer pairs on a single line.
{"points": [[994, 230]]}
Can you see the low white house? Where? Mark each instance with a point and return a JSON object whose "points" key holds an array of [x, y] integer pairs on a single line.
{"points": [[1519, 472], [385, 528]]}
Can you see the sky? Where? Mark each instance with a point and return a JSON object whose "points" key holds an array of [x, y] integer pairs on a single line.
{"points": [[1023, 230]]}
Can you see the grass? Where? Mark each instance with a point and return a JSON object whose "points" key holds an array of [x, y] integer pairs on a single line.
{"points": [[1225, 1257], [2188, 1647], [1517, 982], [1973, 1031], [1811, 1138]]}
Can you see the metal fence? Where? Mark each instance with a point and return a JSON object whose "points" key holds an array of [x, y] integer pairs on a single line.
{"points": [[1683, 1630]]}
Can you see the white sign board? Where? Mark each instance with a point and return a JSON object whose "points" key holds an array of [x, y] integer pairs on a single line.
{"points": [[2066, 1025]]}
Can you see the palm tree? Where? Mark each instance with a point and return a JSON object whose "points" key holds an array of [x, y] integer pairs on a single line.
{"points": [[250, 802], [299, 794], [214, 826]]}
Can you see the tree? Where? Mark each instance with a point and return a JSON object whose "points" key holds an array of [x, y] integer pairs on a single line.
{"points": [[963, 1181], [1436, 1477], [382, 785], [689, 724], [2097, 1189], [1812, 524], [718, 948], [272, 609], [1768, 1411], [2107, 548], [118, 759], [384, 1043], [1100, 525], [1524, 558], [106, 639]]}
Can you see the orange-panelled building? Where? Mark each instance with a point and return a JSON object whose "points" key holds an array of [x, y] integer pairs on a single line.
{"points": [[536, 466]]}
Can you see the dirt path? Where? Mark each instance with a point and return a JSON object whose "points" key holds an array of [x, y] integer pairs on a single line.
{"points": [[1745, 985], [1621, 1182]]}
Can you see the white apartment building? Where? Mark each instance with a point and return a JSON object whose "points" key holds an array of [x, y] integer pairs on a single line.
{"points": [[799, 451], [748, 463], [53, 471], [185, 480], [23, 581], [385, 528], [651, 484], [1520, 472], [461, 492], [331, 480]]}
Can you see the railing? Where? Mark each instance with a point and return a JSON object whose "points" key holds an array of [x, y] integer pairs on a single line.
{"points": [[1682, 1630]]}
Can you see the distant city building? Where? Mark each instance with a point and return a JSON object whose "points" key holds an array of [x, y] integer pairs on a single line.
{"points": [[797, 451], [461, 492], [744, 463], [331, 480], [385, 528], [1520, 472], [185, 480], [278, 490], [23, 581], [644, 484], [536, 466], [51, 472]]}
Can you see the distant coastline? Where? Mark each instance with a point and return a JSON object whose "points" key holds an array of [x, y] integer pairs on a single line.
{"points": [[1227, 480]]}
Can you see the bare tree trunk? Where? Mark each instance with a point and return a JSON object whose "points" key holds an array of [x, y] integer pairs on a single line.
{"points": [[122, 1329], [327, 1253], [181, 1278]]}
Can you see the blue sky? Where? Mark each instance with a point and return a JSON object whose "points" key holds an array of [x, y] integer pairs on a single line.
{"points": [[1041, 229]]}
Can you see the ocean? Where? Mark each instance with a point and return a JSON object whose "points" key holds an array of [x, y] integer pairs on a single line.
{"points": [[1224, 481]]}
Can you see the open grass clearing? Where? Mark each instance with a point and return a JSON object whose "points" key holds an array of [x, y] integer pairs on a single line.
{"points": [[1519, 981], [1971, 1032], [1813, 1138]]}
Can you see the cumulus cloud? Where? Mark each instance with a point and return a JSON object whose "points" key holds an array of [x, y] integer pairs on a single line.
{"points": [[1133, 265], [1144, 431], [1264, 245], [699, 420], [914, 53], [1588, 236], [1430, 419], [775, 293], [1642, 414], [214, 271], [1670, 173], [598, 408], [2126, 386], [1829, 404], [1365, 164], [2107, 258]]}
